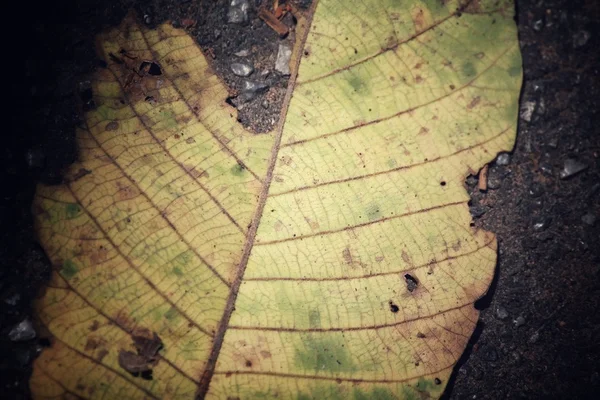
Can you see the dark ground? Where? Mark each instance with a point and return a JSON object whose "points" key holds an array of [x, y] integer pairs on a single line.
{"points": [[539, 335]]}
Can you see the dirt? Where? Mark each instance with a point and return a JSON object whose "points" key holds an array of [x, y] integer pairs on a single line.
{"points": [[540, 328]]}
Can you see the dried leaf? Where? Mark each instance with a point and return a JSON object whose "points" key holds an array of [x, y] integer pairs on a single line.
{"points": [[330, 258]]}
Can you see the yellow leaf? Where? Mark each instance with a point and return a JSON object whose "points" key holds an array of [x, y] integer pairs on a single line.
{"points": [[332, 258]]}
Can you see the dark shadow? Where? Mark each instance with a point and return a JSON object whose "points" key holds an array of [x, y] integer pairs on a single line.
{"points": [[486, 300], [463, 359]]}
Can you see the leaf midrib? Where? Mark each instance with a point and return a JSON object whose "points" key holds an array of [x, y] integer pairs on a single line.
{"points": [[211, 363]]}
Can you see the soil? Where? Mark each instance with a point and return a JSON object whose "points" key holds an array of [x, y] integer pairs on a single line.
{"points": [[539, 332]]}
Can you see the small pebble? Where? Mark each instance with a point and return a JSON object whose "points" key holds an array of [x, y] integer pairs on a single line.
{"points": [[238, 11], [477, 211], [265, 104], [251, 89], [282, 64], [541, 224], [22, 331], [546, 168], [494, 179], [503, 159], [581, 38], [241, 69], [589, 219], [571, 167], [147, 19], [536, 190], [535, 337], [520, 321], [527, 109], [537, 25], [13, 299], [472, 180], [501, 313], [242, 53]]}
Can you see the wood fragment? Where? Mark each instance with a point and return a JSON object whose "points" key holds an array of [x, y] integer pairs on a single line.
{"points": [[483, 175], [270, 19]]}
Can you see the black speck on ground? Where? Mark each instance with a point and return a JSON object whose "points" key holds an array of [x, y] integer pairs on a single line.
{"points": [[539, 333]]}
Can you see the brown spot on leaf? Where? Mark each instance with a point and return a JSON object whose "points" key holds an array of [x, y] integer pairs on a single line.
{"points": [[419, 20], [476, 100], [80, 174], [456, 246], [423, 131], [98, 256], [347, 256], [134, 363], [112, 126], [195, 172], [94, 326], [126, 192], [286, 160], [406, 257], [91, 344], [147, 345], [265, 354], [419, 79], [190, 140]]}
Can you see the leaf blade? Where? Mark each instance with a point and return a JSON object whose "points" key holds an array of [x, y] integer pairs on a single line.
{"points": [[280, 263]]}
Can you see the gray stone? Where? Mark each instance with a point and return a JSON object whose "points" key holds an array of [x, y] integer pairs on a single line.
{"points": [[22, 331], [520, 321], [534, 337], [238, 11], [571, 167], [13, 299], [527, 109], [242, 53], [501, 313], [546, 168], [541, 224], [242, 69], [581, 38], [503, 159], [282, 63], [251, 89]]}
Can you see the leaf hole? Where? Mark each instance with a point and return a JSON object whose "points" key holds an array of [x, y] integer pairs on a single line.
{"points": [[229, 100], [248, 363], [437, 381], [152, 67], [443, 183], [411, 282], [394, 308]]}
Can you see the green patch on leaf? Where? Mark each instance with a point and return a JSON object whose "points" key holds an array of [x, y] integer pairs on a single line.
{"points": [[321, 353], [468, 69], [69, 269], [314, 319], [357, 84], [72, 210], [171, 314], [373, 212], [376, 393], [238, 170]]}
